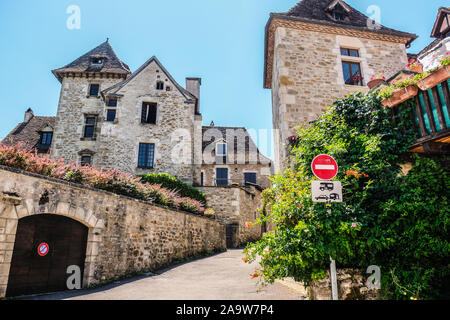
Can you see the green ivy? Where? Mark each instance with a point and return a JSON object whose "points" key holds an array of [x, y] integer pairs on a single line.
{"points": [[397, 222], [169, 182]]}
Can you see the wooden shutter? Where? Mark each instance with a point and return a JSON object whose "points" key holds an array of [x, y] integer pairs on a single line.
{"points": [[152, 113]]}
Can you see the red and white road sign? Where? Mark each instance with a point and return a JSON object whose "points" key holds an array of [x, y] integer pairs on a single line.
{"points": [[43, 249], [324, 167]]}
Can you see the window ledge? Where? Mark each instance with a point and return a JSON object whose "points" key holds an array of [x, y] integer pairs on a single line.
{"points": [[88, 139]]}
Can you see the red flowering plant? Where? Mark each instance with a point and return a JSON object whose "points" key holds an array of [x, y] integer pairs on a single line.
{"points": [[377, 76], [293, 140], [112, 180]]}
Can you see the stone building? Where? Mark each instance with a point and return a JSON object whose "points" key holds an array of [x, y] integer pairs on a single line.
{"points": [[317, 52], [142, 122], [34, 132]]}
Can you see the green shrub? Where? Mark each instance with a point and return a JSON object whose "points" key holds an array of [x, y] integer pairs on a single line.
{"points": [[169, 182], [400, 223]]}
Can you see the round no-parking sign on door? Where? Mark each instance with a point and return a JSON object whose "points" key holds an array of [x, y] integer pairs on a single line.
{"points": [[43, 249]]}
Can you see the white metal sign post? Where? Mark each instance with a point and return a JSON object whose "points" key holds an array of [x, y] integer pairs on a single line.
{"points": [[325, 168]]}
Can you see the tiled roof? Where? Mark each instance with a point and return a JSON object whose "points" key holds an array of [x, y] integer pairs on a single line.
{"points": [[315, 11], [111, 63], [239, 131], [28, 132]]}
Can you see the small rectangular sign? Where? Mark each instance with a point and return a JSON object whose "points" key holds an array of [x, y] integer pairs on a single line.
{"points": [[326, 191]]}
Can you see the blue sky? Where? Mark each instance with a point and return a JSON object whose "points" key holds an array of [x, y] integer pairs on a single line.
{"points": [[220, 41]]}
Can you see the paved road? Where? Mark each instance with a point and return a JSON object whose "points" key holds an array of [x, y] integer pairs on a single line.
{"points": [[221, 277]]}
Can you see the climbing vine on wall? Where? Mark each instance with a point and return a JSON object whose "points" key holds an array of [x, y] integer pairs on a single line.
{"points": [[396, 220]]}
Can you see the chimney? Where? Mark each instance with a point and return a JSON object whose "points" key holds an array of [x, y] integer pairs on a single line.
{"points": [[193, 86], [28, 115]]}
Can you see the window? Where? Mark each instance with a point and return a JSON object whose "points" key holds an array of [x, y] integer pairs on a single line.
{"points": [[221, 176], [202, 179], [349, 52], [159, 85], [221, 149], [112, 103], [250, 177], [97, 60], [167, 88], [110, 115], [94, 89], [148, 114], [352, 73], [339, 13], [146, 155], [46, 138], [89, 127], [86, 160]]}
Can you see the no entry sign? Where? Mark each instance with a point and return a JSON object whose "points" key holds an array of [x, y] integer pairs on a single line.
{"points": [[324, 167], [43, 249]]}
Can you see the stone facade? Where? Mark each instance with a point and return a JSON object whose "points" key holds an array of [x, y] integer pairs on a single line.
{"points": [[74, 104], [308, 76], [304, 62], [116, 143], [125, 235], [177, 134], [237, 205]]}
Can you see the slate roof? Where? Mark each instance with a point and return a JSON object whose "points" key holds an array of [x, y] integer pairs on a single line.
{"points": [[315, 11], [249, 143], [28, 132], [111, 64]]}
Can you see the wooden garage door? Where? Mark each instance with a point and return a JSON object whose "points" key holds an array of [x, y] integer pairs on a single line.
{"points": [[31, 273]]}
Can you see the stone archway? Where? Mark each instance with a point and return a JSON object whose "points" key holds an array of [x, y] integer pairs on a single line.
{"points": [[44, 248], [14, 207]]}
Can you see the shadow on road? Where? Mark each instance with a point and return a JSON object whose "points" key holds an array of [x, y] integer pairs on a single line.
{"points": [[61, 295]]}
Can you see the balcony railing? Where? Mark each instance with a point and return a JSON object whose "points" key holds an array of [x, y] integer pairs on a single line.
{"points": [[431, 119]]}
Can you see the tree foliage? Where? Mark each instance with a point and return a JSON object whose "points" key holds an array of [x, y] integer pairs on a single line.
{"points": [[396, 221]]}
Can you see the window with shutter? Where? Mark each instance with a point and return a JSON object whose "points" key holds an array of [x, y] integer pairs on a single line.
{"points": [[250, 177], [148, 114]]}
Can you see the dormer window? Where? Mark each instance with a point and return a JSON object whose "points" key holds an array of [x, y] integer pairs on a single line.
{"points": [[97, 60], [46, 138], [338, 11]]}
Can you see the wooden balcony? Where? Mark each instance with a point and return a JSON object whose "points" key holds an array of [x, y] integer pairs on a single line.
{"points": [[431, 119]]}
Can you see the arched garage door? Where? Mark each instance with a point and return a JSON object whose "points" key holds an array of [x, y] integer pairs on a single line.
{"points": [[32, 273]]}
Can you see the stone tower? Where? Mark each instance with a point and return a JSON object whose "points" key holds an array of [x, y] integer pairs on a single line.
{"points": [[81, 109], [317, 52]]}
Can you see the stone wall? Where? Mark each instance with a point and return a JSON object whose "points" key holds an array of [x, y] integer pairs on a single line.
{"points": [[125, 235], [74, 104], [351, 286], [236, 205], [308, 76]]}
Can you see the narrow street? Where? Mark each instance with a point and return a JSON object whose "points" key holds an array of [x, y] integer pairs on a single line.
{"points": [[221, 277]]}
